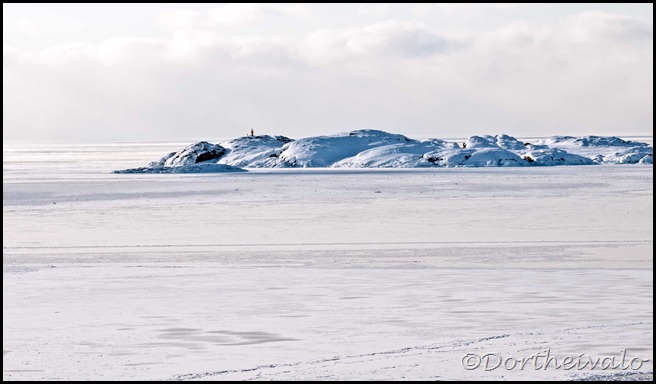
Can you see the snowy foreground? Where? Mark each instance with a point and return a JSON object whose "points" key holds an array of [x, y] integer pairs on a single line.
{"points": [[322, 274], [378, 149]]}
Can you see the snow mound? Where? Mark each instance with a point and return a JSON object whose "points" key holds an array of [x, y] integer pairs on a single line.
{"points": [[378, 149], [194, 168]]}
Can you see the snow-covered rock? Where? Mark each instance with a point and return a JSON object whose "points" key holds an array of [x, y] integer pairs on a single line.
{"points": [[324, 151], [402, 155], [554, 156], [378, 149], [647, 159], [254, 151], [603, 149], [476, 157], [193, 168], [510, 143], [193, 154]]}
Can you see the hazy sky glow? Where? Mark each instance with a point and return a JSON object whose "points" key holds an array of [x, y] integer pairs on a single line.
{"points": [[186, 72]]}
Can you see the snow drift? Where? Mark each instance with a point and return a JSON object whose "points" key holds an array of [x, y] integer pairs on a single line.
{"points": [[378, 149]]}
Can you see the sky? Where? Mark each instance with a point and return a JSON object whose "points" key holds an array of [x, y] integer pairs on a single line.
{"points": [[158, 72]]}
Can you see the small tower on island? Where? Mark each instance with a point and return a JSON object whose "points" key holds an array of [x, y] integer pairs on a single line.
{"points": [[252, 132]]}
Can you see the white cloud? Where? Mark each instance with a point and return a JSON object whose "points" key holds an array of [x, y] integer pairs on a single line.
{"points": [[596, 25], [460, 8], [237, 14], [245, 14], [179, 18], [590, 73], [22, 25], [374, 9], [387, 39], [33, 28]]}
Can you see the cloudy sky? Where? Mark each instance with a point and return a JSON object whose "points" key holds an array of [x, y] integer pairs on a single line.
{"points": [[186, 72]]}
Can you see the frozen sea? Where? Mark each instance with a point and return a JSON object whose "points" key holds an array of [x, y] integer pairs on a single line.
{"points": [[320, 274]]}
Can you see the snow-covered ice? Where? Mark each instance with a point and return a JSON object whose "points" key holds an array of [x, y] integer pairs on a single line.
{"points": [[319, 273]]}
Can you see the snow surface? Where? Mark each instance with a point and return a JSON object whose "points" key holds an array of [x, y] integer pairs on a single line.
{"points": [[378, 149], [317, 273]]}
